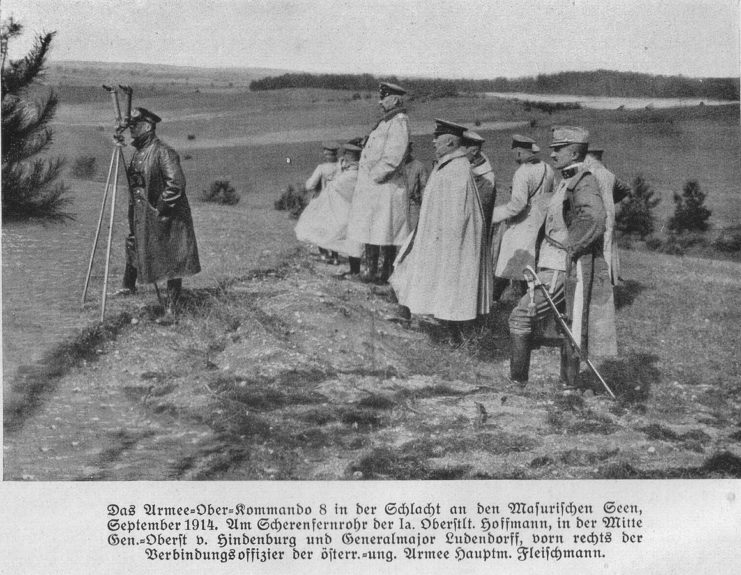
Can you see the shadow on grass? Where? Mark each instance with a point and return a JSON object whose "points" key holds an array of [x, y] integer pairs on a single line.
{"points": [[384, 463], [34, 383], [626, 293], [717, 466], [630, 378]]}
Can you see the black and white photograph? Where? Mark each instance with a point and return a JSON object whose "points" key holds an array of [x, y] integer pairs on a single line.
{"points": [[358, 249]]}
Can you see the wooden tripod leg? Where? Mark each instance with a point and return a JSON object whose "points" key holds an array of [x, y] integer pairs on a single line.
{"points": [[97, 231], [110, 234]]}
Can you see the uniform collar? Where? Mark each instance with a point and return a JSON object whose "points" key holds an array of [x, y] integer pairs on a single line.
{"points": [[143, 140], [458, 153], [572, 170]]}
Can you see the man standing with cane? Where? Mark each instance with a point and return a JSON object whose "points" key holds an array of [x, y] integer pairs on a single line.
{"points": [[162, 243], [572, 264]]}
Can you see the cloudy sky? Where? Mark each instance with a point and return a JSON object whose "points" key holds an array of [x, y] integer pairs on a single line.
{"points": [[445, 38]]}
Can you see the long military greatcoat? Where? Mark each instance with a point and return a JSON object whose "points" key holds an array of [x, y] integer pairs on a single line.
{"points": [[513, 247], [574, 230], [324, 221], [606, 181], [444, 269], [160, 214], [379, 208]]}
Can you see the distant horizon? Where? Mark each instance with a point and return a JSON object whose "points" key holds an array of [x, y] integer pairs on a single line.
{"points": [[360, 73], [476, 39]]}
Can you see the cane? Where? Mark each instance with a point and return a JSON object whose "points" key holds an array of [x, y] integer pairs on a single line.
{"points": [[531, 276]]}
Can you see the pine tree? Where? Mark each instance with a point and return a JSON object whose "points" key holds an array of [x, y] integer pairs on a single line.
{"points": [[30, 189], [689, 212], [636, 215]]}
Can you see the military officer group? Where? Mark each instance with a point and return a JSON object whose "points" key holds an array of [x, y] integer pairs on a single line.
{"points": [[437, 239]]}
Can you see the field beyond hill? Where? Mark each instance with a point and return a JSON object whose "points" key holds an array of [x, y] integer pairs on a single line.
{"points": [[278, 369]]}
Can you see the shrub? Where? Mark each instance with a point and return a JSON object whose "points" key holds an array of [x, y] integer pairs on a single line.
{"points": [[728, 240], [356, 96], [85, 167], [689, 212], [636, 215], [220, 192], [191, 136], [293, 199]]}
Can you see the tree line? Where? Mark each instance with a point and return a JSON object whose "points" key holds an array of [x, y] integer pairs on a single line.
{"points": [[596, 83]]}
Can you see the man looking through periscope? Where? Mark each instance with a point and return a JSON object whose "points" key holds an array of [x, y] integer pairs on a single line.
{"points": [[162, 242]]}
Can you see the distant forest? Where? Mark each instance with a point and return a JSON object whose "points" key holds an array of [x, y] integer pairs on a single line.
{"points": [[598, 83]]}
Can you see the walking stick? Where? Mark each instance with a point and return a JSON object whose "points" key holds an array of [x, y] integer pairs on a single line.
{"points": [[531, 276]]}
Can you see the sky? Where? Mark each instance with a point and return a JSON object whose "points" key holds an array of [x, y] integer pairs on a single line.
{"points": [[435, 38]]}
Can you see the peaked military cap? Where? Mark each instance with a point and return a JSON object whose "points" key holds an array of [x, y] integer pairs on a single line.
{"points": [[144, 115], [519, 141], [565, 135], [446, 127], [388, 89], [330, 145], [473, 137]]}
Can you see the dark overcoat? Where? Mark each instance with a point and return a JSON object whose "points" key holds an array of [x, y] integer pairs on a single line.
{"points": [[160, 214]]}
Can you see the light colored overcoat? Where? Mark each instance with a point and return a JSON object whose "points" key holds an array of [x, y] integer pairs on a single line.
{"points": [[324, 221], [513, 247], [443, 269], [322, 175], [606, 181], [378, 214]]}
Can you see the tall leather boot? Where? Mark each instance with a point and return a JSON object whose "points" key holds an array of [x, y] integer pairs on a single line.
{"points": [[389, 255], [519, 360], [371, 261], [129, 278], [174, 289], [569, 367], [354, 266]]}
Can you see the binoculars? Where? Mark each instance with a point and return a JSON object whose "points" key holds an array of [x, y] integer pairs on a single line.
{"points": [[122, 121]]}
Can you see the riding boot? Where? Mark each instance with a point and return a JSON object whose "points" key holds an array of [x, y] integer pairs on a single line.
{"points": [[371, 263], [569, 367], [174, 289], [389, 255], [354, 266], [129, 278], [519, 362]]}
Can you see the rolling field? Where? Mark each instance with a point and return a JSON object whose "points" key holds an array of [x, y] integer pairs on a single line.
{"points": [[331, 390]]}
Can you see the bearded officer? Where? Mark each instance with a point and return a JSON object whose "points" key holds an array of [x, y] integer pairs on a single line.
{"points": [[443, 269], [513, 247], [571, 263], [378, 216], [163, 241]]}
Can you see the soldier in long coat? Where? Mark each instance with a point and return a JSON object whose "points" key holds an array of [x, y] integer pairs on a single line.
{"points": [[163, 243], [613, 192], [572, 264], [513, 247], [378, 217], [324, 221], [443, 270], [326, 171]]}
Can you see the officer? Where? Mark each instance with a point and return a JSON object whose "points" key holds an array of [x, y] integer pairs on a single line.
{"points": [[571, 262], [513, 247]]}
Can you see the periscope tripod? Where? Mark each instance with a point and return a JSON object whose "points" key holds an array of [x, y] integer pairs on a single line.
{"points": [[111, 185]]}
